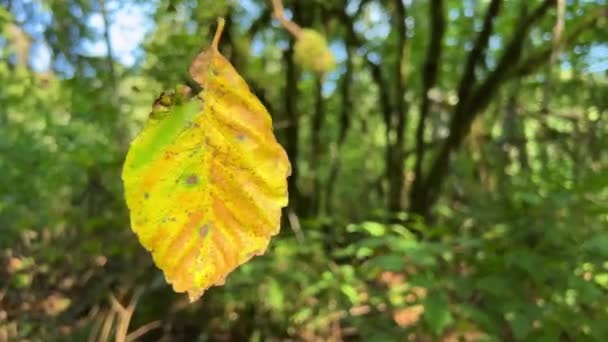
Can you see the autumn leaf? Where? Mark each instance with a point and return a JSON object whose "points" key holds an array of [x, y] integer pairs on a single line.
{"points": [[205, 180]]}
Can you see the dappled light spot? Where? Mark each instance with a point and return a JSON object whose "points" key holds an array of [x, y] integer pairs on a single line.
{"points": [[408, 316]]}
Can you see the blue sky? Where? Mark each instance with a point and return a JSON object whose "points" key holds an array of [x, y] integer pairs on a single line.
{"points": [[130, 22], [129, 25]]}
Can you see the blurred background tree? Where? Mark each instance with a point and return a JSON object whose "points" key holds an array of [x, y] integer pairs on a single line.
{"points": [[449, 176]]}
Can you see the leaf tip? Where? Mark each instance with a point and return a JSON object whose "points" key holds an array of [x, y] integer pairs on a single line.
{"points": [[204, 60]]}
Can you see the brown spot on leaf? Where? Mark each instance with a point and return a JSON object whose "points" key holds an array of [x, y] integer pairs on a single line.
{"points": [[192, 180], [204, 230]]}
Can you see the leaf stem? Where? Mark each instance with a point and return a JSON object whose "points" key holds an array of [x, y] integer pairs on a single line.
{"points": [[289, 25], [218, 33]]}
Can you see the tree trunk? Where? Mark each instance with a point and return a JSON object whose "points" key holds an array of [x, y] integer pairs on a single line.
{"points": [[429, 78], [292, 130], [345, 113], [473, 99], [316, 148], [398, 121]]}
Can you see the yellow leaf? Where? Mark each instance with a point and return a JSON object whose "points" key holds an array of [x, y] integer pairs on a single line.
{"points": [[205, 180]]}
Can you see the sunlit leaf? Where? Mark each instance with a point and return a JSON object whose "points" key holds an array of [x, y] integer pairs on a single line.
{"points": [[436, 313], [521, 326], [205, 180], [389, 262]]}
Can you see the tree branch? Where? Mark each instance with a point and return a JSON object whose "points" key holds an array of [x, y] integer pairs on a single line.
{"points": [[385, 103], [108, 41], [292, 131], [351, 41], [429, 78], [395, 150], [477, 53], [316, 145], [512, 54], [469, 106], [289, 25], [543, 55]]}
